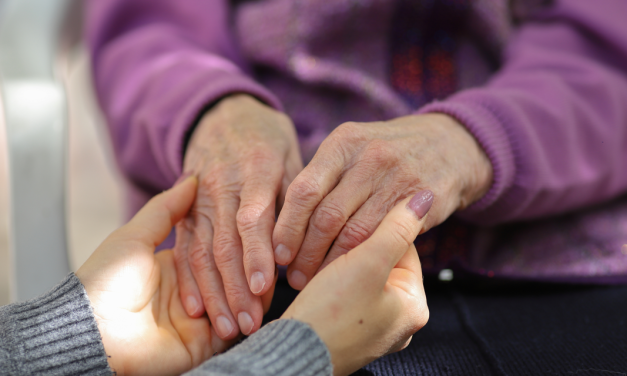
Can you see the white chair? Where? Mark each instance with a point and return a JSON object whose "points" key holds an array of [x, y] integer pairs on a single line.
{"points": [[31, 33]]}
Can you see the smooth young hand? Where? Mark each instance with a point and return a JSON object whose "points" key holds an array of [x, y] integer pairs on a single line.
{"points": [[134, 294], [370, 301]]}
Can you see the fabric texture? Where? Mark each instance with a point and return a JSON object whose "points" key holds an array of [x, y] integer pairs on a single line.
{"points": [[57, 334], [497, 328], [53, 334], [489, 329], [541, 86], [515, 330], [280, 348]]}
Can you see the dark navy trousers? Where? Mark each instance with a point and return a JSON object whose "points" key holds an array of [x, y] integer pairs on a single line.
{"points": [[499, 328]]}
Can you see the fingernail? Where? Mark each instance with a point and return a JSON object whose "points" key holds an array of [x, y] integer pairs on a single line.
{"points": [[298, 280], [191, 305], [421, 203], [257, 282], [282, 254], [245, 323], [224, 326], [182, 178]]}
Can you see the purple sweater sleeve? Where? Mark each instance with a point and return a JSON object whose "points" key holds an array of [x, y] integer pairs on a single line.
{"points": [[553, 120], [157, 64]]}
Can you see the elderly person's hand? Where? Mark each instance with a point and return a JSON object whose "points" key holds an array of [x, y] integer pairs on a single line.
{"points": [[361, 171], [135, 297], [245, 155], [369, 302]]}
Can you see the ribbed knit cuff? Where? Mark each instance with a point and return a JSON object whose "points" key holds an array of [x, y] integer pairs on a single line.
{"points": [[54, 334], [281, 348], [473, 111]]}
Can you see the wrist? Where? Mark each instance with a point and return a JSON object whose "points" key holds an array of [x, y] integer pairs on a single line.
{"points": [[296, 350], [338, 339], [480, 174], [55, 331], [474, 166]]}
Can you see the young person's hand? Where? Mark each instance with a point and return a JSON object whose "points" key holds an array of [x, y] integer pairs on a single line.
{"points": [[134, 294], [360, 172], [245, 155], [370, 301]]}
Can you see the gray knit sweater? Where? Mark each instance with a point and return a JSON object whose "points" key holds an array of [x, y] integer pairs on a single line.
{"points": [[56, 334]]}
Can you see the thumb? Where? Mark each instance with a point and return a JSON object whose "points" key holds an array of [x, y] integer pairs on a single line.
{"points": [[396, 233], [153, 223]]}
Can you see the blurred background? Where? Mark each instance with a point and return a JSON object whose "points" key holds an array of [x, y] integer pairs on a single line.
{"points": [[93, 184]]}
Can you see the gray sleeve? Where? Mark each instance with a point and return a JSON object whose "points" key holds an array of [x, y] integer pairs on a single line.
{"points": [[53, 334], [281, 348]]}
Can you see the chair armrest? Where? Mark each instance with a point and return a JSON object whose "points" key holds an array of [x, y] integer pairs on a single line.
{"points": [[35, 119]]}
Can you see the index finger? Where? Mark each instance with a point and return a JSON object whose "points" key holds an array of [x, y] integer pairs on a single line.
{"points": [[397, 232], [302, 197]]}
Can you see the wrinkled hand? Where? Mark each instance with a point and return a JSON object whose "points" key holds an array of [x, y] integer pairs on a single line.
{"points": [[135, 297], [360, 172], [369, 302], [245, 155]]}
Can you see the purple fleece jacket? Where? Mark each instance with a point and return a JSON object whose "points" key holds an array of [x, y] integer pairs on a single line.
{"points": [[552, 118]]}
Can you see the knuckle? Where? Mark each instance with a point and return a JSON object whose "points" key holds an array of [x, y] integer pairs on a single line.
{"points": [[402, 233], [287, 228], [185, 225], [328, 218], [222, 182], [224, 249], [248, 216], [261, 156], [355, 232], [199, 258], [380, 153], [213, 300], [181, 255], [253, 254], [211, 179], [303, 191], [309, 261], [348, 129], [344, 138], [204, 207], [219, 168], [236, 295]]}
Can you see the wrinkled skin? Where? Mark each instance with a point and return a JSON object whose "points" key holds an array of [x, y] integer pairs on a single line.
{"points": [[245, 155], [360, 172], [364, 305], [369, 302], [135, 297]]}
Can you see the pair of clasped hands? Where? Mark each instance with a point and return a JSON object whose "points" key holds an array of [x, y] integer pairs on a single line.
{"points": [[363, 304], [247, 160]]}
